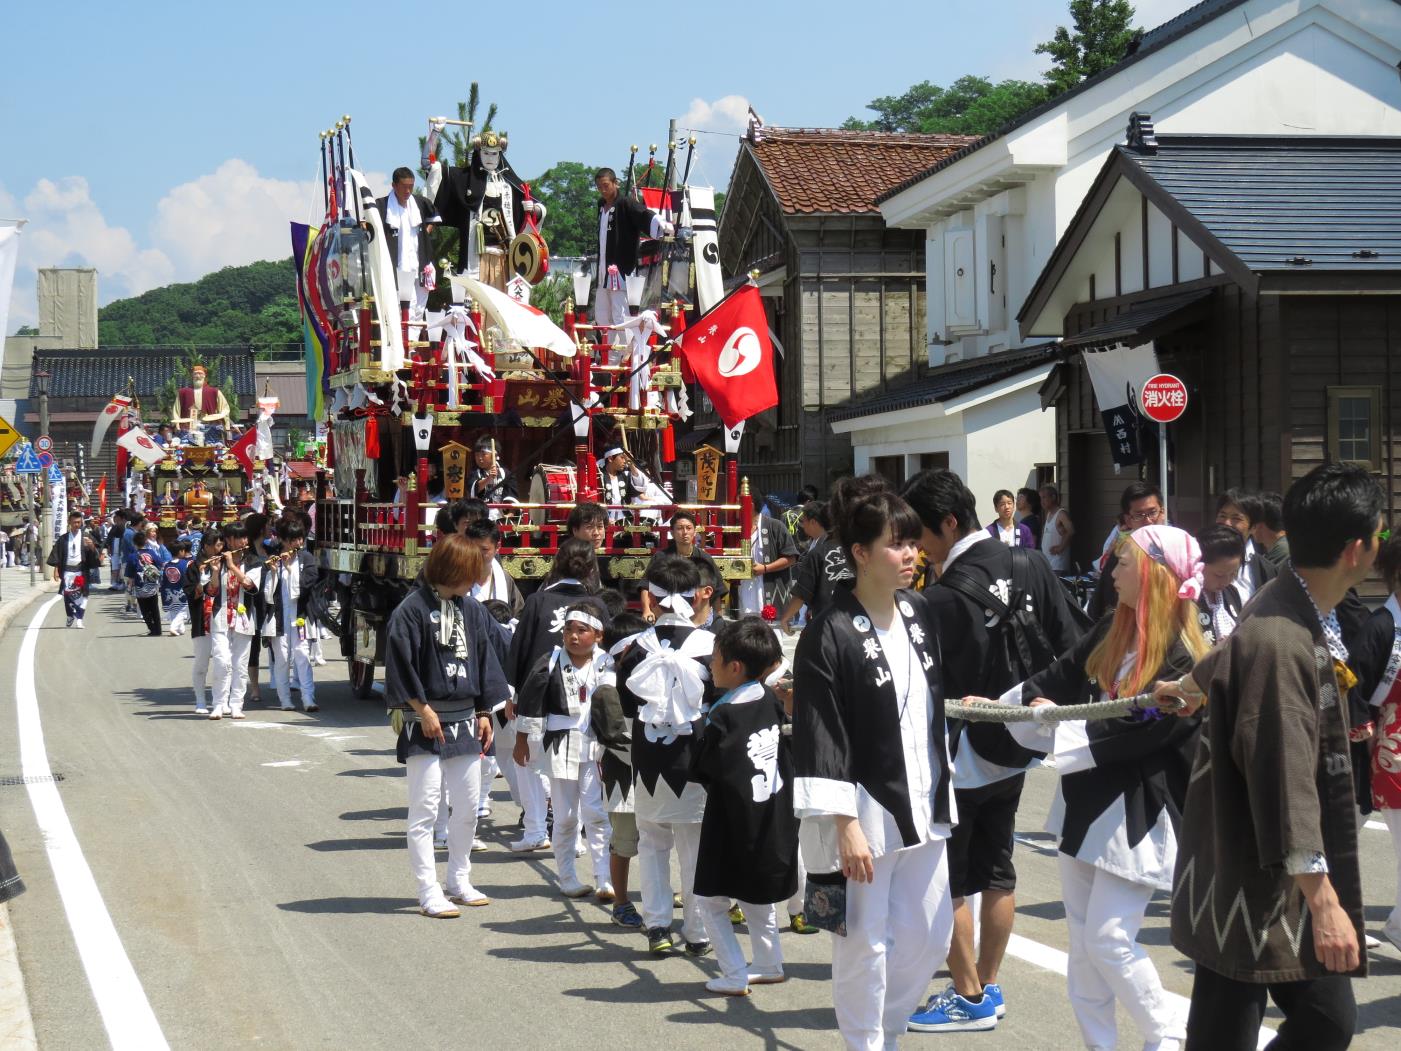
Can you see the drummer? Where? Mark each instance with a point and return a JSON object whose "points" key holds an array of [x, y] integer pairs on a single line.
{"points": [[622, 483], [488, 480]]}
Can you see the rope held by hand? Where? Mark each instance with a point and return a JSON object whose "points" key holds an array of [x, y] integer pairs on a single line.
{"points": [[1140, 704]]}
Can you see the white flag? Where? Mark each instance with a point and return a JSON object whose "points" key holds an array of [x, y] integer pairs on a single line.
{"points": [[9, 253], [137, 442], [521, 322], [705, 247]]}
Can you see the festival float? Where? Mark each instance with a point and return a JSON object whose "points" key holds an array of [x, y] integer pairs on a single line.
{"points": [[408, 388]]}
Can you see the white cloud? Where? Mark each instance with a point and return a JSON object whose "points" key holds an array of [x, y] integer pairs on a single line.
{"points": [[727, 114], [228, 217]]}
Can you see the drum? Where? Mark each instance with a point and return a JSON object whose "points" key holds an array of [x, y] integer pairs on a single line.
{"points": [[530, 255], [552, 484]]}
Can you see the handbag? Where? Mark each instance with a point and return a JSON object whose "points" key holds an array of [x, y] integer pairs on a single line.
{"points": [[824, 902]]}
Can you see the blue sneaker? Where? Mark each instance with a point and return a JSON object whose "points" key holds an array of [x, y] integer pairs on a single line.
{"points": [[994, 993], [950, 1013]]}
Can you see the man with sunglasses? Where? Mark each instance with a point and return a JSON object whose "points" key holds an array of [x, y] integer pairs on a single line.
{"points": [[1140, 504]]}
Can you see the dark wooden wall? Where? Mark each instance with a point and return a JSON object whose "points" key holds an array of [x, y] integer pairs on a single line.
{"points": [[851, 319], [1258, 368]]}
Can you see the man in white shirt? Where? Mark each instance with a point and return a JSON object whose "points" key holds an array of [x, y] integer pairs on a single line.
{"points": [[409, 220], [622, 221]]}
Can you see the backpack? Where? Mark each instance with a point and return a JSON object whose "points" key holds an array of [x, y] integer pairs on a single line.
{"points": [[1017, 649]]}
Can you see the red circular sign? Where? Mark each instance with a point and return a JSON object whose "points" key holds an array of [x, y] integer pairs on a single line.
{"points": [[1164, 398]]}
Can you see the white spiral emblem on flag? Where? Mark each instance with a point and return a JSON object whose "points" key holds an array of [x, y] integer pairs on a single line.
{"points": [[741, 354]]}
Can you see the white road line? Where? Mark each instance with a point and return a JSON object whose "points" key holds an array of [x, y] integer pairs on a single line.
{"points": [[1377, 826], [126, 1013], [1049, 959]]}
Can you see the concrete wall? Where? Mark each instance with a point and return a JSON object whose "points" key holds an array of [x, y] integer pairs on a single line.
{"points": [[68, 306], [995, 443], [1270, 67]]}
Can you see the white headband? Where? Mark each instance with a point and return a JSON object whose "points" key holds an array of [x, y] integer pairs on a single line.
{"points": [[584, 618], [617, 450], [677, 602]]}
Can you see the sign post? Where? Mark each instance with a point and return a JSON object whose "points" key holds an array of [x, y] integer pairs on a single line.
{"points": [[1163, 399], [28, 467]]}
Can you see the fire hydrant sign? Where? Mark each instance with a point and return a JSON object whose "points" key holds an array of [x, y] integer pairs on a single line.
{"points": [[1164, 398]]}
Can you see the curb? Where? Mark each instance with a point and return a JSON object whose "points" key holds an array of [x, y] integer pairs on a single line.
{"points": [[16, 1022], [14, 607]]}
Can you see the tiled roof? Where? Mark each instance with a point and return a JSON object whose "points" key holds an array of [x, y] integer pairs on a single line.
{"points": [[950, 381], [1153, 40], [1139, 320], [102, 373], [1291, 203], [826, 170]]}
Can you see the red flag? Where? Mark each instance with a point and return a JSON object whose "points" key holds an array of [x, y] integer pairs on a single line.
{"points": [[242, 450], [102, 498], [732, 356]]}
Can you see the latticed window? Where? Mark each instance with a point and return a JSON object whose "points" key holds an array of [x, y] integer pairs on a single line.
{"points": [[1354, 425]]}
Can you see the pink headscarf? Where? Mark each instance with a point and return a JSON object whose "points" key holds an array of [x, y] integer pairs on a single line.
{"points": [[1176, 549]]}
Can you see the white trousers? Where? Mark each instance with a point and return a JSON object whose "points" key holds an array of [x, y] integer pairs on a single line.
{"points": [[533, 787], [1393, 822], [654, 845], [429, 776], [440, 823], [762, 921], [203, 651], [611, 308], [291, 657], [795, 903], [229, 655], [490, 768], [577, 802], [504, 744], [180, 620], [1106, 963], [898, 931]]}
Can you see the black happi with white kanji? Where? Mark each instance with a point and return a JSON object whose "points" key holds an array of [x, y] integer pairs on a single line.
{"points": [[749, 837], [846, 730], [1123, 782], [540, 627], [661, 768]]}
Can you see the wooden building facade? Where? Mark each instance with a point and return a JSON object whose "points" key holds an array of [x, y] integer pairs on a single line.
{"points": [[1266, 273], [844, 293]]}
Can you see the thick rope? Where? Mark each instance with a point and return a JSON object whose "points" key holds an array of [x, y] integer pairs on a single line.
{"points": [[1141, 704]]}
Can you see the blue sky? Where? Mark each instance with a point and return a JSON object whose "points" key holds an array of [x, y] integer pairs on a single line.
{"points": [[162, 141]]}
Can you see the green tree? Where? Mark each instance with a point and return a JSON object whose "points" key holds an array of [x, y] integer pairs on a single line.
{"points": [[567, 191], [1099, 36], [26, 330], [971, 105], [247, 305]]}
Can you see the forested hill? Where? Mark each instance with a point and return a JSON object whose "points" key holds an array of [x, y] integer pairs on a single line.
{"points": [[238, 305]]}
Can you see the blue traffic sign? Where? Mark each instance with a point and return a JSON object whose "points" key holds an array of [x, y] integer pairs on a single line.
{"points": [[55, 475], [28, 462]]}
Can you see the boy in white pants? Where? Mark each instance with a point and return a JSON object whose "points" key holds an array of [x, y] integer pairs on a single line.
{"points": [[553, 707], [749, 837], [288, 579]]}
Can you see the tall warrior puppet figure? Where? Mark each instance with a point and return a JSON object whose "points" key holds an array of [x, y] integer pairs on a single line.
{"points": [[200, 412], [622, 221], [484, 202]]}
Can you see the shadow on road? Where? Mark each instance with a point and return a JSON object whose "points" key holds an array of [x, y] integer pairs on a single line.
{"points": [[395, 842], [392, 813], [352, 906]]}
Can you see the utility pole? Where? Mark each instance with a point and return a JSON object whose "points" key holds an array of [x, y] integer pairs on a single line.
{"points": [[43, 377], [670, 138]]}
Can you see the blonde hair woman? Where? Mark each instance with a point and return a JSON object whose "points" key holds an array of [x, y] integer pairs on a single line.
{"points": [[1123, 782]]}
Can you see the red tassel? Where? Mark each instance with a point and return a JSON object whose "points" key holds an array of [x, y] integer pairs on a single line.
{"points": [[668, 444], [372, 437]]}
